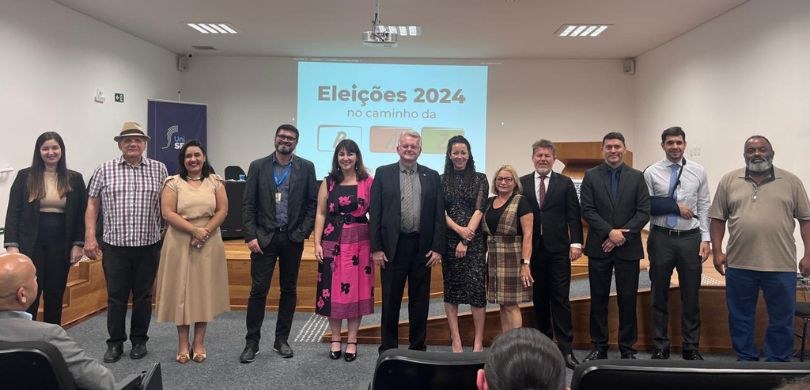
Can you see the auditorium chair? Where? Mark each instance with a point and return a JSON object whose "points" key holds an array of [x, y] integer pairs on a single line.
{"points": [[681, 374], [35, 365], [406, 369], [232, 172]]}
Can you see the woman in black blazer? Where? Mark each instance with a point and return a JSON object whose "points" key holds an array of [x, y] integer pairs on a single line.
{"points": [[45, 220]]}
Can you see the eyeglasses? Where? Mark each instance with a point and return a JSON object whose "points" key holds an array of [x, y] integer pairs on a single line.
{"points": [[286, 138], [505, 179], [408, 146]]}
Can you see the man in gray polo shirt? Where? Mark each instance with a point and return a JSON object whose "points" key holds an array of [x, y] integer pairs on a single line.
{"points": [[760, 203]]}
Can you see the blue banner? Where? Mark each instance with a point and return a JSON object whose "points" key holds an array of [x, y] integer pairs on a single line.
{"points": [[171, 125]]}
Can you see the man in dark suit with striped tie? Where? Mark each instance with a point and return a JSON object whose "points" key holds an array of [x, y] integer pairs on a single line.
{"points": [[557, 237]]}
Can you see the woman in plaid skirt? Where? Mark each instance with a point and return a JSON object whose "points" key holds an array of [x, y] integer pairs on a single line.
{"points": [[508, 226]]}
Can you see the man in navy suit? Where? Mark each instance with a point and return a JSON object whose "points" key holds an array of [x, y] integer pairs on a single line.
{"points": [[278, 211], [407, 229], [557, 236], [616, 206]]}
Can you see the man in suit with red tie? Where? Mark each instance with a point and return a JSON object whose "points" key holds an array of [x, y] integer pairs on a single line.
{"points": [[557, 242], [616, 206]]}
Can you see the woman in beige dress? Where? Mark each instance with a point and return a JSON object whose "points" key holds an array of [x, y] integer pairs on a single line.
{"points": [[192, 280]]}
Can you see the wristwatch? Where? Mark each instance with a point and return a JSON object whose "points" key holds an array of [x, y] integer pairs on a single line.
{"points": [[524, 262], [466, 242]]}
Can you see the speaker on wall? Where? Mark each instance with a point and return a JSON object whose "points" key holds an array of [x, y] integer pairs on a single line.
{"points": [[183, 61], [629, 66]]}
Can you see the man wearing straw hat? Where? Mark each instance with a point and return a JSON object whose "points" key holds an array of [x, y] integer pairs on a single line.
{"points": [[127, 188]]}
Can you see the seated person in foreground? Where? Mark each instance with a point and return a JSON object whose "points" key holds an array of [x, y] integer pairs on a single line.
{"points": [[18, 288], [523, 358]]}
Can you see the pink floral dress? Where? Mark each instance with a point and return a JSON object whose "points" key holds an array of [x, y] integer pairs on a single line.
{"points": [[346, 276]]}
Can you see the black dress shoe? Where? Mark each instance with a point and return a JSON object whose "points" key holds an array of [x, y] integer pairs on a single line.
{"points": [[334, 355], [692, 354], [249, 353], [660, 354], [596, 354], [114, 352], [283, 349], [348, 356], [629, 355], [570, 360], [138, 351]]}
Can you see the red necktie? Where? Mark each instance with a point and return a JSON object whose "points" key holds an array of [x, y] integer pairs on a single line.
{"points": [[541, 191]]}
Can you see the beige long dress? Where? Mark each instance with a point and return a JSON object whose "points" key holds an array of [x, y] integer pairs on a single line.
{"points": [[192, 283]]}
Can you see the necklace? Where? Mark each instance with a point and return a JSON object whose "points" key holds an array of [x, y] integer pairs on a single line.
{"points": [[193, 178]]}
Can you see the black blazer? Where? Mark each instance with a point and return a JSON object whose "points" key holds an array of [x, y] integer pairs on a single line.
{"points": [[385, 211], [22, 217], [603, 213], [560, 219], [259, 201]]}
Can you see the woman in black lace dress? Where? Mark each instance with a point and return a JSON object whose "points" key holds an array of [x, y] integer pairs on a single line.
{"points": [[464, 267]]}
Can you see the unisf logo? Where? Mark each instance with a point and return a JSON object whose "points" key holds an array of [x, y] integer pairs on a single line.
{"points": [[174, 139]]}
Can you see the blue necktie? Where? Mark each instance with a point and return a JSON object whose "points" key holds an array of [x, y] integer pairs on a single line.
{"points": [[672, 219], [614, 183]]}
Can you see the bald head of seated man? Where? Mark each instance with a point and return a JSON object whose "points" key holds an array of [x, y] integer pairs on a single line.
{"points": [[18, 289]]}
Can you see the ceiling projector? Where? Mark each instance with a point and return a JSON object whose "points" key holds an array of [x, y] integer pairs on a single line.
{"points": [[379, 38]]}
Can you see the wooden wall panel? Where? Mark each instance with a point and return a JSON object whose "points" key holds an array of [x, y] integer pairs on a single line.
{"points": [[714, 335], [239, 279]]}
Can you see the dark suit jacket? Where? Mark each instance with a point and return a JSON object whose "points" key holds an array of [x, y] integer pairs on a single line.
{"points": [[603, 213], [259, 202], [87, 372], [559, 220], [22, 217], [385, 211]]}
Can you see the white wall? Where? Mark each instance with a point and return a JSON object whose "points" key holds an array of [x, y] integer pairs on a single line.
{"points": [[563, 100], [53, 60], [743, 73]]}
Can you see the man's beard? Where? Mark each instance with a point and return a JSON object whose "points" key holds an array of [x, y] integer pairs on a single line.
{"points": [[760, 166], [543, 171], [284, 149]]}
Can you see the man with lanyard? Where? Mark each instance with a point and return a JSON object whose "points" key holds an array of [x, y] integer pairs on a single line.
{"points": [[278, 211], [679, 239], [128, 190], [761, 204]]}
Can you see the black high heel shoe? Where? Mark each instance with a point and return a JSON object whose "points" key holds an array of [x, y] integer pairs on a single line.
{"points": [[335, 355], [349, 357]]}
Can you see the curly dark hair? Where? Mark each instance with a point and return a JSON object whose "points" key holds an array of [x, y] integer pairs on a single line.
{"points": [[207, 169], [469, 171]]}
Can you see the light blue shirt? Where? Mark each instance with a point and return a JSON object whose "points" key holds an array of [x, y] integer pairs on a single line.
{"points": [[693, 191]]}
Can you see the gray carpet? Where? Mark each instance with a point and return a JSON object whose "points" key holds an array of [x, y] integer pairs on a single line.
{"points": [[310, 368]]}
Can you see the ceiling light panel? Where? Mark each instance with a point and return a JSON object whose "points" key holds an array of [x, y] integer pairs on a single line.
{"points": [[213, 28], [581, 30]]}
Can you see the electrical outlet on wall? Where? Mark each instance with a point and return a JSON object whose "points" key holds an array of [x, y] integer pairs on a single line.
{"points": [[99, 98], [694, 151]]}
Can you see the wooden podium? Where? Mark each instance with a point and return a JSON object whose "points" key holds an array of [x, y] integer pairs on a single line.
{"points": [[579, 157]]}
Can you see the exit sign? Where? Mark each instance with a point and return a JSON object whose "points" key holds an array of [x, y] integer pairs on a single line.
{"points": [[119, 97]]}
